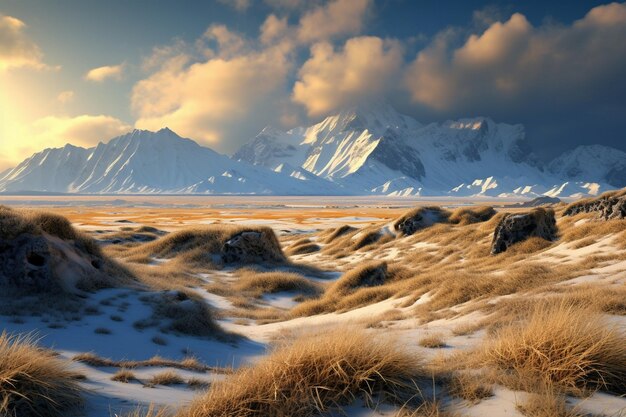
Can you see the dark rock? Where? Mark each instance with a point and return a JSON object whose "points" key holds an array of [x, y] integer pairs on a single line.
{"points": [[419, 218], [515, 228], [609, 206], [540, 201]]}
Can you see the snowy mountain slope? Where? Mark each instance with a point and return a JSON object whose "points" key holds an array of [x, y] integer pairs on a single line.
{"points": [[374, 149], [597, 162], [152, 162]]}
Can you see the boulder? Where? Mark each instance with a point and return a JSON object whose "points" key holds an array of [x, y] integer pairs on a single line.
{"points": [[608, 206], [419, 218], [515, 228], [252, 247]]}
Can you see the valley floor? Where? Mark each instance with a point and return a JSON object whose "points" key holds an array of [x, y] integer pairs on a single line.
{"points": [[444, 300]]}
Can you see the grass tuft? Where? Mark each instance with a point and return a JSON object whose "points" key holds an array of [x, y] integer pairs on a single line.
{"points": [[33, 381]]}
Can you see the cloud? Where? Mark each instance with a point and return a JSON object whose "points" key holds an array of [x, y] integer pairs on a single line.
{"points": [[513, 65], [335, 19], [65, 97], [239, 5], [101, 74], [16, 50], [220, 99], [273, 28], [84, 130], [363, 69], [52, 132]]}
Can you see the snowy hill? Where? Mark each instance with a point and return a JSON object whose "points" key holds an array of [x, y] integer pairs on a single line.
{"points": [[374, 149], [151, 162]]}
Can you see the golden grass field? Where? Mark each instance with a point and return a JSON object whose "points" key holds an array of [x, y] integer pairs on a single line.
{"points": [[345, 315]]}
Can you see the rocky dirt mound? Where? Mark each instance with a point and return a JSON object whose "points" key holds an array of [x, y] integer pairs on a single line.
{"points": [[608, 206], [419, 218], [216, 245], [515, 228], [42, 252], [423, 217]]}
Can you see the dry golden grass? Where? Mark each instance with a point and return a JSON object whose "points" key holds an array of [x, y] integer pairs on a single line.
{"points": [[187, 313], [469, 215], [314, 374], [548, 402], [151, 411], [33, 381], [199, 246], [166, 378], [189, 363], [360, 286], [302, 246], [433, 341], [259, 283], [426, 409], [563, 345], [471, 387], [124, 375]]}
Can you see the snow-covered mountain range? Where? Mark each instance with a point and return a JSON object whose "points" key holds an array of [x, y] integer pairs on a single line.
{"points": [[369, 149], [375, 150], [152, 162]]}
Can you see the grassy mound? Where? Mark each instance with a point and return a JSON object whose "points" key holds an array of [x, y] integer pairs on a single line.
{"points": [[561, 345], [209, 246], [311, 376], [43, 252], [259, 283], [33, 382]]}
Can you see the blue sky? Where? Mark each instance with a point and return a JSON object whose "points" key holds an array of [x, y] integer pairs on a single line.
{"points": [[219, 71]]}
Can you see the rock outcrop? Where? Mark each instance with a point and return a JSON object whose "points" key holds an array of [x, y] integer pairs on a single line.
{"points": [[252, 247], [419, 218], [608, 206], [515, 228]]}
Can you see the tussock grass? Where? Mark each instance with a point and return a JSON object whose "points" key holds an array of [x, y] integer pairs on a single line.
{"points": [[166, 378], [189, 363], [560, 344], [433, 341], [203, 246], [182, 312], [259, 283], [33, 381], [469, 386], [302, 246], [313, 375], [367, 275], [151, 411], [360, 286], [469, 215], [124, 375]]}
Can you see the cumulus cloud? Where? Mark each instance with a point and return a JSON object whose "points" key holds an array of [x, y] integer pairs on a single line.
{"points": [[52, 132], [65, 97], [220, 99], [273, 28], [106, 72], [363, 69], [514, 65], [335, 19], [84, 130], [16, 49]]}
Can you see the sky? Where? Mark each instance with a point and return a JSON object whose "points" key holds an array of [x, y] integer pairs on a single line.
{"points": [[84, 71]]}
